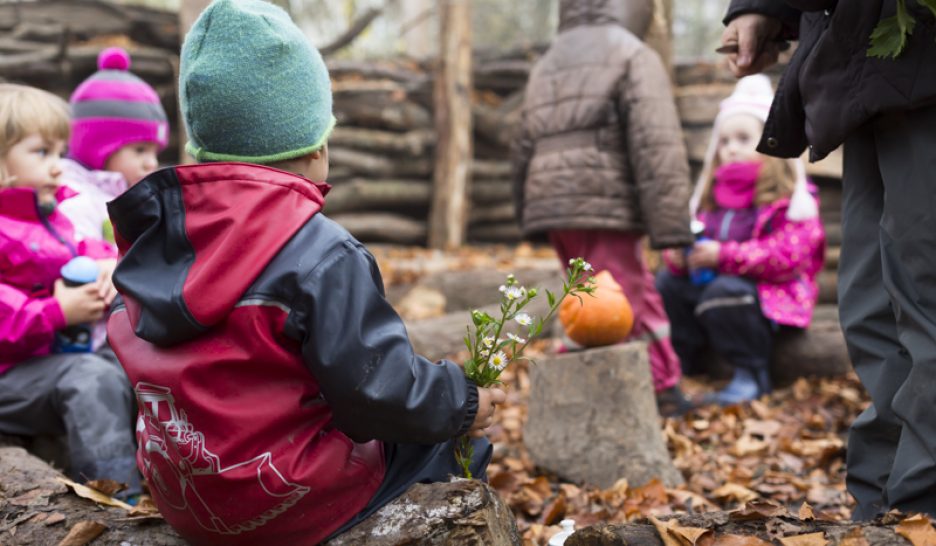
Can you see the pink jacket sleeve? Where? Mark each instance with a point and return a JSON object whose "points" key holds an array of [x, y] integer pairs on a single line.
{"points": [[778, 256], [27, 325], [673, 268], [97, 249]]}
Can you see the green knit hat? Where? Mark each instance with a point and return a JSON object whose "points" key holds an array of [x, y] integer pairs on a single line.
{"points": [[251, 86]]}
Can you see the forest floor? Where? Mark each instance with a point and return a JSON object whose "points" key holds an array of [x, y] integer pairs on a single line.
{"points": [[788, 447]]}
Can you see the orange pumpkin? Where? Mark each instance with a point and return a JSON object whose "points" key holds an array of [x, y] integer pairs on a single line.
{"points": [[604, 318]]}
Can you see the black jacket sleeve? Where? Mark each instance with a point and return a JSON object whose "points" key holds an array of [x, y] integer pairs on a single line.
{"points": [[777, 9], [357, 348]]}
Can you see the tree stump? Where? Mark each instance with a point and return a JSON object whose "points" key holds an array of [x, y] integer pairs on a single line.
{"points": [[593, 418], [458, 512]]}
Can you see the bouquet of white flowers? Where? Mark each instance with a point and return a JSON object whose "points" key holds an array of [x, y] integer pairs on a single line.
{"points": [[492, 349]]}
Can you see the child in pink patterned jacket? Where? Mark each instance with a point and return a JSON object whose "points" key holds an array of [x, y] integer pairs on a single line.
{"points": [[762, 240], [118, 128]]}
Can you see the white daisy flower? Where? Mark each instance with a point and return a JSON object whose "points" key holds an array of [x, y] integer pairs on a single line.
{"points": [[514, 292], [498, 361], [587, 267], [516, 338], [523, 319], [488, 341]]}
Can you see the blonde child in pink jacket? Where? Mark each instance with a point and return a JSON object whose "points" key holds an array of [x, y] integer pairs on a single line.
{"points": [[762, 240]]}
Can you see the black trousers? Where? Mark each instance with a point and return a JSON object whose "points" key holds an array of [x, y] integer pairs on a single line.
{"points": [[724, 314], [887, 306]]}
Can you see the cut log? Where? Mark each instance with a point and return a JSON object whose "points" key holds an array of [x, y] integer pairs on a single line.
{"points": [[471, 288], [494, 214], [593, 418], [379, 165], [409, 74], [491, 191], [833, 233], [698, 104], [767, 529], [828, 287], [503, 232], [442, 337], [38, 509], [412, 144], [832, 255], [380, 110], [490, 169], [360, 194], [458, 512], [383, 227]]}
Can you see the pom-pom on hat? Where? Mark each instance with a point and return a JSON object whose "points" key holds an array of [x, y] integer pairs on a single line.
{"points": [[251, 86], [113, 108], [753, 96]]}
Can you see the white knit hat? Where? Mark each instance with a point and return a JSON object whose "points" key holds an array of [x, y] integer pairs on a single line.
{"points": [[753, 95]]}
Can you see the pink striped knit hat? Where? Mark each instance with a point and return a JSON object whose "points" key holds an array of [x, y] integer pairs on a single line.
{"points": [[113, 108]]}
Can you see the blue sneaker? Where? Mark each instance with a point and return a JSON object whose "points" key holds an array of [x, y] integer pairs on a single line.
{"points": [[746, 385]]}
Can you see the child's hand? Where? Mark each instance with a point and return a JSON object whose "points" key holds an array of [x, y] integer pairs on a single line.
{"points": [[105, 282], [487, 399], [79, 304], [704, 254], [675, 257]]}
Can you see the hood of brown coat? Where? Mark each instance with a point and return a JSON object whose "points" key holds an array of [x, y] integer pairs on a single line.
{"points": [[634, 15]]}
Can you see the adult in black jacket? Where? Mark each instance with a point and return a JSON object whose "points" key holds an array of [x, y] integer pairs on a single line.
{"points": [[884, 111]]}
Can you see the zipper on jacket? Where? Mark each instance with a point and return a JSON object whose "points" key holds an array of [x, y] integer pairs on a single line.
{"points": [[45, 223], [725, 224]]}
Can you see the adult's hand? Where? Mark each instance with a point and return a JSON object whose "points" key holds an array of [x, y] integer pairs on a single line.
{"points": [[756, 37]]}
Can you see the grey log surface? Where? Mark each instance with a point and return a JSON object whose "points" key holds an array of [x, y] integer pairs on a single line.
{"points": [[767, 529], [592, 418], [359, 194], [31, 495], [383, 227], [458, 512]]}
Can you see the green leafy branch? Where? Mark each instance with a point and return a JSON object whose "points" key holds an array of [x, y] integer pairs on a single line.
{"points": [[889, 37]]}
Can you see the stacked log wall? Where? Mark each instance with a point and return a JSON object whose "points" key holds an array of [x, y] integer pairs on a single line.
{"points": [[382, 150]]}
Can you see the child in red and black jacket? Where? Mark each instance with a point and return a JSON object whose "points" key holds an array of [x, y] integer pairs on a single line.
{"points": [[280, 398]]}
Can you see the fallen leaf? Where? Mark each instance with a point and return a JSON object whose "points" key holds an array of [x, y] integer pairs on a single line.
{"points": [[664, 529], [108, 487], [812, 539], [759, 510], [555, 511], [918, 530], [82, 533], [735, 492], [48, 518], [739, 540], [692, 534], [806, 512], [94, 495], [145, 507], [33, 497]]}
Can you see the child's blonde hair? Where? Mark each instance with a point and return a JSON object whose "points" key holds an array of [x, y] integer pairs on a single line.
{"points": [[27, 110], [775, 180]]}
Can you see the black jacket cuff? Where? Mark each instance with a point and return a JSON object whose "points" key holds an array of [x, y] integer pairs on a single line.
{"points": [[471, 406]]}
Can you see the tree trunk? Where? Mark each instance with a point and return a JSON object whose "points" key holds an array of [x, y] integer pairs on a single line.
{"points": [[449, 215]]}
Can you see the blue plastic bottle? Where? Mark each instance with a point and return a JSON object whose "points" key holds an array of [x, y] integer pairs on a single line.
{"points": [[76, 338], [704, 275]]}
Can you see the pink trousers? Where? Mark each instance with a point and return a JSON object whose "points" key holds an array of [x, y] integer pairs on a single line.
{"points": [[621, 253]]}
